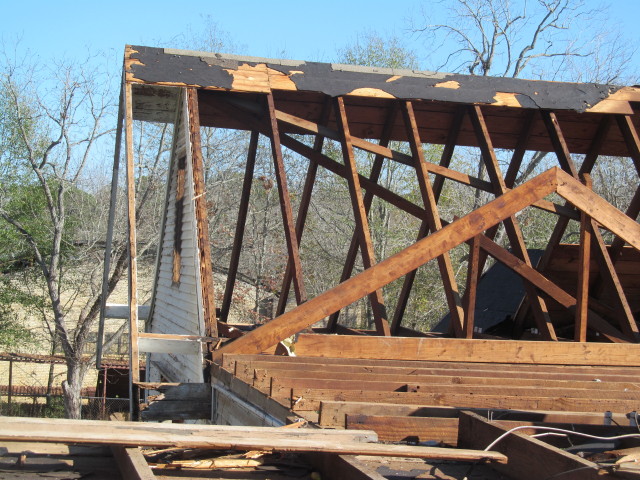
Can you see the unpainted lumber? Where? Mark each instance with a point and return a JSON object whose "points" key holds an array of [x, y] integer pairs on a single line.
{"points": [[529, 458], [222, 437]]}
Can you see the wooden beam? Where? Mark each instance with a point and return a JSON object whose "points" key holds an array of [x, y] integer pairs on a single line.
{"points": [[134, 357], [407, 429], [223, 437], [538, 280], [559, 143], [113, 196], [308, 399], [240, 226], [463, 350], [582, 296], [131, 463], [285, 203], [524, 452], [390, 366], [360, 216], [473, 275], [599, 209], [343, 466], [393, 267], [630, 134], [376, 170], [433, 218], [334, 413], [438, 185], [305, 200], [202, 220], [608, 273], [512, 228], [416, 379]]}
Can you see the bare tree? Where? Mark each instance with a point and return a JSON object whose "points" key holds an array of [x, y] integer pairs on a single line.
{"points": [[540, 38], [59, 122]]}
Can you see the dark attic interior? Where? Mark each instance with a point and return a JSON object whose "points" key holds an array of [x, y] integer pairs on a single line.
{"points": [[530, 368]]}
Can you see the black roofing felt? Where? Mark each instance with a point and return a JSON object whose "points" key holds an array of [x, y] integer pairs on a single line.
{"points": [[211, 70]]}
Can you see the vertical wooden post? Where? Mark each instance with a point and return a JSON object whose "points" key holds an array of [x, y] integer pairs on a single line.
{"points": [[285, 203], [582, 297], [134, 358], [541, 315], [360, 214], [202, 220], [563, 222], [10, 392], [240, 226], [473, 274], [110, 224]]}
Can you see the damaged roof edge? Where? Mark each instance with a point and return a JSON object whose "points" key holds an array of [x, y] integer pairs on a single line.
{"points": [[239, 73]]}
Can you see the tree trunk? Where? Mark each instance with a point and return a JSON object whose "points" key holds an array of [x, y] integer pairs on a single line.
{"points": [[72, 388]]}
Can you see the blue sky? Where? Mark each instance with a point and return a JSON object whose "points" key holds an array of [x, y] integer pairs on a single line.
{"points": [[300, 30]]}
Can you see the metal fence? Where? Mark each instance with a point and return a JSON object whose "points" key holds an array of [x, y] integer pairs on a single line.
{"points": [[52, 406], [30, 387]]}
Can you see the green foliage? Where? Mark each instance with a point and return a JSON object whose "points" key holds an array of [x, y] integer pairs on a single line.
{"points": [[373, 50]]}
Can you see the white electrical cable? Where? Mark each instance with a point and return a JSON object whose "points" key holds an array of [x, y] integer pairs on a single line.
{"points": [[560, 430]]}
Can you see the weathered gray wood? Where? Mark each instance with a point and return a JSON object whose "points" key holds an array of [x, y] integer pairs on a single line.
{"points": [[131, 463], [222, 437]]}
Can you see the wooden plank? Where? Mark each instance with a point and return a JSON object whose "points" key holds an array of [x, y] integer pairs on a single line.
{"points": [[475, 432], [559, 143], [278, 380], [131, 463], [285, 203], [392, 268], [334, 413], [222, 437], [407, 429], [360, 216], [310, 399], [477, 350], [494, 374], [420, 366], [240, 226]]}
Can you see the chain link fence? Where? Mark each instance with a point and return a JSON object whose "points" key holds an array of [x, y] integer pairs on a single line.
{"points": [[30, 387]]}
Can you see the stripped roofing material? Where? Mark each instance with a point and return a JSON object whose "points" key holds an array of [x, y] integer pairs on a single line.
{"points": [[301, 89], [157, 65]]}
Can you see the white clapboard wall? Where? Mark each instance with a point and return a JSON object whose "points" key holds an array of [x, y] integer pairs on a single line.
{"points": [[177, 306]]}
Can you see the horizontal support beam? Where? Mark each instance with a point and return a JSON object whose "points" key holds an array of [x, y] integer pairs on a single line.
{"points": [[467, 350], [116, 310]]}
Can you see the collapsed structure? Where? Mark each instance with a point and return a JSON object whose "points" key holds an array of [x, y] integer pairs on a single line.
{"points": [[404, 384]]}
